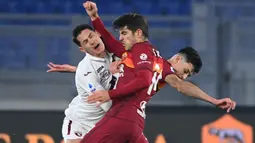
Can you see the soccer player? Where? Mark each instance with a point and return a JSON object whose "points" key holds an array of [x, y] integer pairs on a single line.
{"points": [[92, 74], [141, 70]]}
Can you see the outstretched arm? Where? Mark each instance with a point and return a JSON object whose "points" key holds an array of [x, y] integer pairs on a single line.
{"points": [[111, 43], [114, 67], [60, 68], [192, 90]]}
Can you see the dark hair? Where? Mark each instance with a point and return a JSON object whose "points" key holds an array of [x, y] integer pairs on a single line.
{"points": [[77, 30], [192, 57], [133, 22]]}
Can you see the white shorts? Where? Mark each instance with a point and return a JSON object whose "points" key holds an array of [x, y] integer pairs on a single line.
{"points": [[73, 130]]}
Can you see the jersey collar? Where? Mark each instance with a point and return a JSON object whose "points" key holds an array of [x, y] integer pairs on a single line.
{"points": [[97, 58]]}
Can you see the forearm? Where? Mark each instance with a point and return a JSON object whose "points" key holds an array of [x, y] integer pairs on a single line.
{"points": [[192, 90], [112, 44], [73, 68], [137, 84]]}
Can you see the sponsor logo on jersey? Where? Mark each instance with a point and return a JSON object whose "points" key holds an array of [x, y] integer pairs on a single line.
{"points": [[143, 56], [100, 69], [105, 75], [78, 134], [86, 74]]}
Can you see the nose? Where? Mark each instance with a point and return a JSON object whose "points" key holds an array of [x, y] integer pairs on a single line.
{"points": [[91, 42], [120, 38], [184, 76]]}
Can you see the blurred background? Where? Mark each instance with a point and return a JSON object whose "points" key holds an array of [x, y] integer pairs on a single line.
{"points": [[35, 32]]}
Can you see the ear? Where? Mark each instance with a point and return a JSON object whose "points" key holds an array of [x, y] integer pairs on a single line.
{"points": [[176, 58], [139, 32], [82, 50]]}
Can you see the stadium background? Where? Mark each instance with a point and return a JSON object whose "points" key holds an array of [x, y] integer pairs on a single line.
{"points": [[35, 32]]}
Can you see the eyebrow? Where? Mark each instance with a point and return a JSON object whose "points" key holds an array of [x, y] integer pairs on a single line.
{"points": [[90, 34], [86, 40]]}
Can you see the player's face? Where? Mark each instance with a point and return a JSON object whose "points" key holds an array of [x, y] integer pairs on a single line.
{"points": [[91, 42], [182, 68], [127, 37]]}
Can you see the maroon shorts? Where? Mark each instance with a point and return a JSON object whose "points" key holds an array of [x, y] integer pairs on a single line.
{"points": [[114, 130]]}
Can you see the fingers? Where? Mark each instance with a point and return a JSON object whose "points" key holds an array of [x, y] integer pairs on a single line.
{"points": [[118, 62], [93, 99], [87, 5], [98, 104], [229, 108], [230, 105], [234, 105], [50, 70], [50, 66]]}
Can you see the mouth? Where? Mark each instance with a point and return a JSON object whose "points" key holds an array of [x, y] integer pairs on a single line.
{"points": [[97, 46]]}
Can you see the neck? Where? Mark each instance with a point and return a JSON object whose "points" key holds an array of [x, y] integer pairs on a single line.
{"points": [[101, 55]]}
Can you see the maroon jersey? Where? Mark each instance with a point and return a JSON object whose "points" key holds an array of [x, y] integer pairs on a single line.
{"points": [[141, 70]]}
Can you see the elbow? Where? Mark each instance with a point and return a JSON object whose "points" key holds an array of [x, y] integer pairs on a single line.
{"points": [[177, 86], [175, 82]]}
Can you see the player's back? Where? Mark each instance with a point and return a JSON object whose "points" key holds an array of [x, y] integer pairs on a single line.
{"points": [[132, 107], [92, 74]]}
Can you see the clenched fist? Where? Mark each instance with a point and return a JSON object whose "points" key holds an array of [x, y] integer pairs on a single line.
{"points": [[91, 9]]}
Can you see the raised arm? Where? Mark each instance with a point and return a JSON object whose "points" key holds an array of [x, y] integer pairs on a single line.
{"points": [[111, 43]]}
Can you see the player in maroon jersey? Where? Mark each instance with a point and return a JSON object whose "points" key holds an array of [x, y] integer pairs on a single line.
{"points": [[141, 70]]}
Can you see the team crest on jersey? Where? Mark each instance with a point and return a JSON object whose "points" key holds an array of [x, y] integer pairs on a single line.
{"points": [[143, 56], [78, 134], [124, 55]]}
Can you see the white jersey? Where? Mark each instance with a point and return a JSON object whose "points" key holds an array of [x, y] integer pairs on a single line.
{"points": [[92, 74]]}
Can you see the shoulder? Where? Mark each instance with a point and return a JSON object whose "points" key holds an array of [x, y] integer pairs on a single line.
{"points": [[142, 45], [142, 48], [85, 65]]}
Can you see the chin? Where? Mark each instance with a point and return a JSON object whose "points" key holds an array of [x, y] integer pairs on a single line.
{"points": [[100, 50], [127, 48]]}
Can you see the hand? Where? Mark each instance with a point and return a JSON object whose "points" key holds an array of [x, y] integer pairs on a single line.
{"points": [[60, 68], [91, 9], [99, 96], [226, 103], [114, 67]]}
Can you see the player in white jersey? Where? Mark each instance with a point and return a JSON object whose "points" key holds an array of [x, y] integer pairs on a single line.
{"points": [[92, 74]]}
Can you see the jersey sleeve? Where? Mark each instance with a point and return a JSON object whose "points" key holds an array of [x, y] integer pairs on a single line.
{"points": [[90, 82], [111, 43], [142, 57], [167, 69]]}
